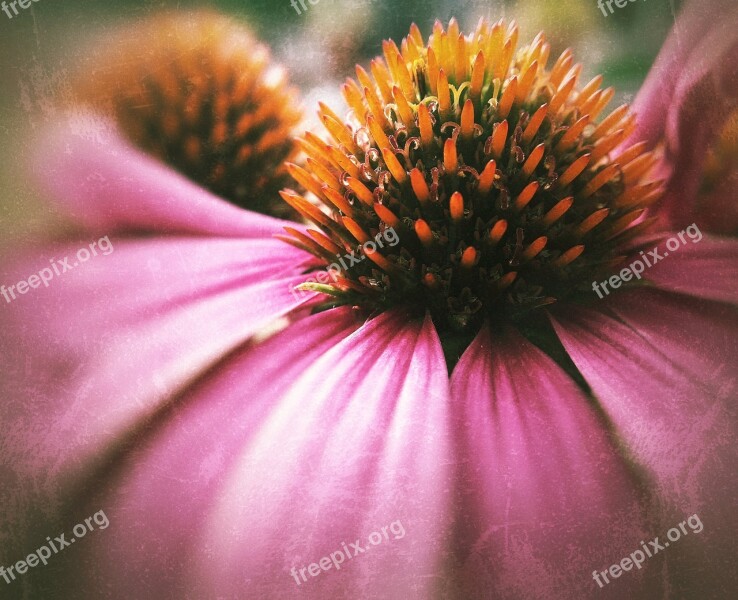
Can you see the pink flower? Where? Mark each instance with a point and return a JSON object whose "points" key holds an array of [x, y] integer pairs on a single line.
{"points": [[693, 72], [229, 459]]}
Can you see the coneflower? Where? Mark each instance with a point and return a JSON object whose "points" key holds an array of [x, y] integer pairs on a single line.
{"points": [[233, 462], [495, 168], [200, 92]]}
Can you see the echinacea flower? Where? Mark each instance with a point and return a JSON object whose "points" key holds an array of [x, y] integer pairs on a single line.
{"points": [[198, 91], [569, 430], [496, 175]]}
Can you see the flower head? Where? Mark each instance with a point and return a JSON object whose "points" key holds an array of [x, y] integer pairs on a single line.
{"points": [[495, 169], [198, 91], [225, 457]]}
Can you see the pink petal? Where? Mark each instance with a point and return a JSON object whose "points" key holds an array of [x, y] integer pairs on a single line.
{"points": [[316, 437], [664, 369], [687, 97], [718, 208], [706, 269], [105, 185], [112, 341], [545, 496]]}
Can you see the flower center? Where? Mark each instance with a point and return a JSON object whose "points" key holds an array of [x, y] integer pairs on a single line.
{"points": [[470, 181], [200, 93]]}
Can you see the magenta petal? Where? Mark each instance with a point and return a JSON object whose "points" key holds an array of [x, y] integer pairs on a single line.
{"points": [[546, 497], [106, 185], [664, 369], [158, 498], [315, 438], [114, 340], [357, 443], [706, 269], [718, 208], [686, 99]]}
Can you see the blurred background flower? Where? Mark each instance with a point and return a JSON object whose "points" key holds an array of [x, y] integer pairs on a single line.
{"points": [[199, 92]]}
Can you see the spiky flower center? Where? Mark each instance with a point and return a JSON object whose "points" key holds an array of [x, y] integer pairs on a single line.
{"points": [[199, 92], [492, 170]]}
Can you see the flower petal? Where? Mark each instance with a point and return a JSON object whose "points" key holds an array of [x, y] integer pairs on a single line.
{"points": [[315, 438], [107, 186], [664, 369], [112, 341], [196, 441], [690, 92], [359, 442], [546, 497], [706, 269], [718, 207]]}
